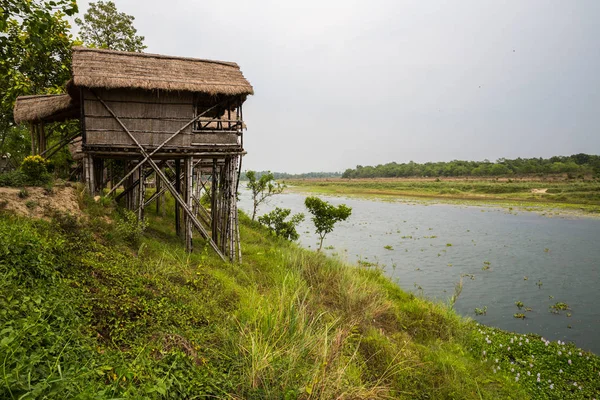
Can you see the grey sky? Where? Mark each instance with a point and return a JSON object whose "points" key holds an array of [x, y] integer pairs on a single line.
{"points": [[340, 83]]}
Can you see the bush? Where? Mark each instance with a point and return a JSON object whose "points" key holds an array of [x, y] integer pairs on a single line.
{"points": [[35, 170], [34, 167], [13, 178], [129, 228], [275, 221]]}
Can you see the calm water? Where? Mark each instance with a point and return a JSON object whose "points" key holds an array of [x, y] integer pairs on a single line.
{"points": [[533, 259]]}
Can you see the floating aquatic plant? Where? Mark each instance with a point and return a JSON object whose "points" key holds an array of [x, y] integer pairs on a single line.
{"points": [[558, 307], [519, 304], [481, 311]]}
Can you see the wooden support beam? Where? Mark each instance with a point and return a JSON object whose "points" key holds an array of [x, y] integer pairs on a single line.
{"points": [[175, 194], [141, 194], [189, 162], [91, 186], [178, 189], [160, 146], [213, 202], [158, 193], [132, 184]]}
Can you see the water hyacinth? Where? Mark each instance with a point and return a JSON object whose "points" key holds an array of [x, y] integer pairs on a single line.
{"points": [[534, 359]]}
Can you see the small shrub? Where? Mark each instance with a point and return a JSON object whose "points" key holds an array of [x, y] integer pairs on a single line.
{"points": [[13, 178], [31, 204], [129, 228], [275, 221], [23, 193], [49, 188], [34, 167]]}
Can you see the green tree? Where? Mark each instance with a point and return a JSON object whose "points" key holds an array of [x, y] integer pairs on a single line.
{"points": [[325, 216], [104, 27], [262, 188], [275, 221], [35, 58]]}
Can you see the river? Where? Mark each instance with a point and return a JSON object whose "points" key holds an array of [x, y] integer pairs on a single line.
{"points": [[504, 256]]}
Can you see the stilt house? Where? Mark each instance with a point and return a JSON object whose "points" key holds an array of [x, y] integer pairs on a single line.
{"points": [[155, 113]]}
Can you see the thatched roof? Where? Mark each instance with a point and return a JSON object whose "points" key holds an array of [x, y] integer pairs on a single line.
{"points": [[46, 108], [99, 68]]}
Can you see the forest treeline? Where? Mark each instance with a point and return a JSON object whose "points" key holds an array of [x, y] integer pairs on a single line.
{"points": [[306, 175], [577, 165]]}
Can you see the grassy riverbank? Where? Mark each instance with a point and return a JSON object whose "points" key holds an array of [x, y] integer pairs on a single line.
{"points": [[552, 192], [92, 308]]}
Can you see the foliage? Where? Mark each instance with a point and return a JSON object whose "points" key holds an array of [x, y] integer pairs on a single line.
{"points": [[547, 370], [575, 165], [129, 227], [325, 215], [104, 27], [305, 175], [84, 314], [262, 188], [13, 178], [563, 193], [35, 58], [275, 221], [34, 167]]}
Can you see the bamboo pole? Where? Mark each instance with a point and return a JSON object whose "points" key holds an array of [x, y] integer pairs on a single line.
{"points": [[178, 189], [189, 163], [141, 194], [175, 194], [160, 146]]}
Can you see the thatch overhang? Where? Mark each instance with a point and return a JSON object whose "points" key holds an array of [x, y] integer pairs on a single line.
{"points": [[45, 108], [100, 68]]}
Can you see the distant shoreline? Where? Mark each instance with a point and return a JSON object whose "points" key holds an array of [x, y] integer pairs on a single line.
{"points": [[574, 197]]}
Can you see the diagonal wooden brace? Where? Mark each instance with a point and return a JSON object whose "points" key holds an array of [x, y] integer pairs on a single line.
{"points": [[165, 180], [159, 146]]}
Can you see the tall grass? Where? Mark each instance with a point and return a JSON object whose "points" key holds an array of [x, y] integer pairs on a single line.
{"points": [[87, 313]]}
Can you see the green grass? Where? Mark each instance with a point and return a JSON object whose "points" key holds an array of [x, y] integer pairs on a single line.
{"points": [[563, 194], [93, 309]]}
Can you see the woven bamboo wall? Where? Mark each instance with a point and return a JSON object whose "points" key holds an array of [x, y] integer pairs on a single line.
{"points": [[150, 116]]}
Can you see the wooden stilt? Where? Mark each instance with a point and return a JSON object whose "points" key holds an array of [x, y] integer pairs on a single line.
{"points": [[141, 195], [178, 189], [174, 192], [159, 195], [90, 175], [189, 162], [213, 202]]}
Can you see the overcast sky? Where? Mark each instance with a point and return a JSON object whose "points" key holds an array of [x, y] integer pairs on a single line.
{"points": [[341, 83]]}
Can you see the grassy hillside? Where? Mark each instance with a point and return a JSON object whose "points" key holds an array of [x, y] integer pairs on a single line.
{"points": [[93, 309]]}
